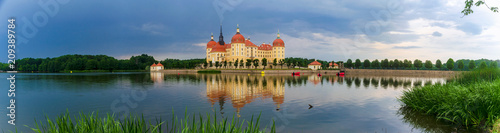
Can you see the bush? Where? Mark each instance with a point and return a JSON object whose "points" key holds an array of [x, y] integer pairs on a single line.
{"points": [[209, 71]]}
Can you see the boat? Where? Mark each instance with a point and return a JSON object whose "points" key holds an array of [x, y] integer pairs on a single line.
{"points": [[296, 73], [340, 74]]}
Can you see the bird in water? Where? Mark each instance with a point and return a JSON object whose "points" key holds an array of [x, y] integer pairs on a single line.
{"points": [[310, 106]]}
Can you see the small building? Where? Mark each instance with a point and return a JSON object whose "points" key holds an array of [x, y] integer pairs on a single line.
{"points": [[315, 65], [156, 67], [333, 65]]}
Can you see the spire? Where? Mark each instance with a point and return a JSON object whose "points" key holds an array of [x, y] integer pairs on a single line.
{"points": [[278, 34], [237, 29], [211, 36], [221, 38]]}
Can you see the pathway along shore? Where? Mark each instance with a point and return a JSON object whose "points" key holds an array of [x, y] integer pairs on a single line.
{"points": [[349, 72]]}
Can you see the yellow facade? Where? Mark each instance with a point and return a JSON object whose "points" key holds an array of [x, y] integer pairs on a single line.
{"points": [[243, 49]]}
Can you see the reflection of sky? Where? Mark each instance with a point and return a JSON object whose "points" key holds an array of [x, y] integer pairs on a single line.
{"points": [[336, 107]]}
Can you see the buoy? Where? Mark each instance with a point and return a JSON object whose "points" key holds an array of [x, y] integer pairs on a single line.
{"points": [[70, 71], [248, 74], [262, 72]]}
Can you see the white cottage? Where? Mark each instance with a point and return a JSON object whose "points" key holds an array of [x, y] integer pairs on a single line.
{"points": [[156, 67]]}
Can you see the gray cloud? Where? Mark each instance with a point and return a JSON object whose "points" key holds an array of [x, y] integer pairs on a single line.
{"points": [[394, 38], [406, 47], [442, 25], [470, 28], [437, 34]]}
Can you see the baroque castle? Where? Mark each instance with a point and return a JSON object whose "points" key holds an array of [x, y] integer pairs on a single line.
{"points": [[243, 49]]}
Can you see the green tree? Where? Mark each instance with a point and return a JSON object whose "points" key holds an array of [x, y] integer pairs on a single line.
{"points": [[236, 63], [396, 63], [460, 64], [439, 64], [225, 64], [469, 3], [472, 65], [211, 64], [91, 64], [428, 64], [348, 64], [385, 63], [275, 62], [493, 64], [230, 63], [281, 62], [248, 63], [241, 63], [216, 64], [264, 62], [483, 65], [450, 64], [408, 64], [366, 63], [391, 64], [256, 63], [205, 64], [357, 64], [417, 63], [375, 64], [288, 62]]}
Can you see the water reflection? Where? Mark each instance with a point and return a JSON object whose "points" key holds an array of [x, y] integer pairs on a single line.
{"points": [[427, 123], [243, 89]]}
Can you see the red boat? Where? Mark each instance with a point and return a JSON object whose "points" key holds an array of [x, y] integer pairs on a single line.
{"points": [[296, 73], [340, 73]]}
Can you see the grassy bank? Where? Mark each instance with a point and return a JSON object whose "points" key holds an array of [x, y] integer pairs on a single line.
{"points": [[209, 71], [472, 99], [90, 123]]}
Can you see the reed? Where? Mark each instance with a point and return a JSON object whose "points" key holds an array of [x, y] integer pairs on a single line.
{"points": [[93, 123], [472, 99]]}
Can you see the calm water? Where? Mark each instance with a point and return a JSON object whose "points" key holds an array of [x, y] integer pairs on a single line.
{"points": [[341, 104]]}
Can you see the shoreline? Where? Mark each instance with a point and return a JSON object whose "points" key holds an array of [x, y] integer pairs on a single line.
{"points": [[349, 72]]}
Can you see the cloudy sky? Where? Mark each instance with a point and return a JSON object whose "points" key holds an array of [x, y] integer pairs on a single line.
{"points": [[321, 29]]}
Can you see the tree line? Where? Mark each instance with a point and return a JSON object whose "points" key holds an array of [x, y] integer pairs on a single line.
{"points": [[289, 62], [450, 64], [95, 62]]}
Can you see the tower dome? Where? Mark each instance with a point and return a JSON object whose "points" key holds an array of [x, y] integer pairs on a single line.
{"points": [[278, 42], [211, 43], [238, 38]]}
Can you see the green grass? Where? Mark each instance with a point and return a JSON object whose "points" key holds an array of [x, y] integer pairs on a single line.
{"points": [[209, 71], [472, 99], [93, 123]]}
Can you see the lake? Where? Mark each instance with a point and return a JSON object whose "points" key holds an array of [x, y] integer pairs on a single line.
{"points": [[340, 104]]}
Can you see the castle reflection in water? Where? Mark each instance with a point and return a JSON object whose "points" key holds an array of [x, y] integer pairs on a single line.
{"points": [[244, 89]]}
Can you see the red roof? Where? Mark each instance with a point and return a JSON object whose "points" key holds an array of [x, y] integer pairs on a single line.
{"points": [[248, 43], [218, 48], [334, 64], [153, 65], [265, 47], [278, 43], [211, 44], [159, 64], [238, 38], [315, 63]]}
